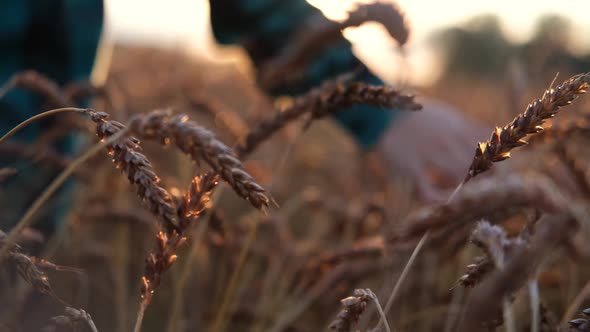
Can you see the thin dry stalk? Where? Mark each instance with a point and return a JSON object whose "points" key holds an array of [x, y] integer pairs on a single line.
{"points": [[511, 136], [349, 272], [583, 295], [201, 144], [535, 305], [352, 309], [220, 319], [328, 98], [46, 155], [41, 116], [27, 218]]}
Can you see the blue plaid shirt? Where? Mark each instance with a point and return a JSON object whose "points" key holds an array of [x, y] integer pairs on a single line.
{"points": [[57, 38], [267, 27]]}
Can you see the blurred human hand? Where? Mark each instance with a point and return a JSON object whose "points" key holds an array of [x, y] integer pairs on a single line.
{"points": [[433, 147]]}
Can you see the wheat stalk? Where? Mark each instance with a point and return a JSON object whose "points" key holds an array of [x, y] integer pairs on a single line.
{"points": [[328, 98]]}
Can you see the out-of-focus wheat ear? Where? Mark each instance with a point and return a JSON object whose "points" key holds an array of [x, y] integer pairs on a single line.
{"points": [[201, 144], [127, 157], [72, 319], [38, 83], [488, 298], [476, 271], [576, 165], [579, 325], [483, 199], [493, 241], [352, 309], [563, 129], [317, 33], [30, 273], [328, 98], [385, 12], [511, 136]]}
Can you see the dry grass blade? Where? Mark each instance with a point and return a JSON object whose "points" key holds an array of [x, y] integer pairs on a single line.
{"points": [[127, 157], [201, 144], [511, 136], [328, 98], [47, 155]]}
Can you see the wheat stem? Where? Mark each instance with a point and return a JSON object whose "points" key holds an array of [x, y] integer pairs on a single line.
{"points": [[140, 313], [27, 218], [40, 116]]}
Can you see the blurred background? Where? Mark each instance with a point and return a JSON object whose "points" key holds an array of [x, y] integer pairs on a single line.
{"points": [[471, 33], [487, 58]]}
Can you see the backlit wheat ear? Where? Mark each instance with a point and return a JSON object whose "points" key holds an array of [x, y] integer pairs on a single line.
{"points": [[483, 199], [511, 136], [329, 98], [193, 204], [127, 157], [201, 144]]}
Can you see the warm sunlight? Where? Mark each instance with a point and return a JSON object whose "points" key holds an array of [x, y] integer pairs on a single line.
{"points": [[184, 23]]}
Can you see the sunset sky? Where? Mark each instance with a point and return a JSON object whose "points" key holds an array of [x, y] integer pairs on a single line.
{"points": [[184, 24]]}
